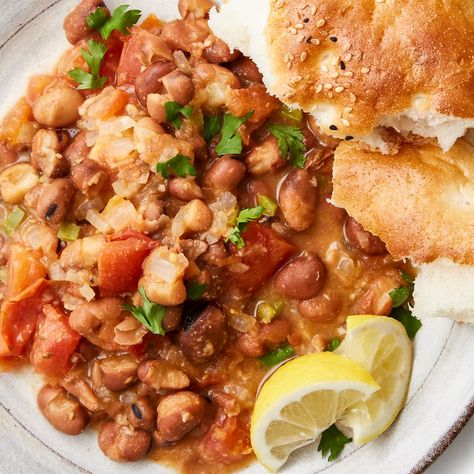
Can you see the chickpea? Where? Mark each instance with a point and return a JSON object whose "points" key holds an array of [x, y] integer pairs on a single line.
{"points": [[16, 181], [224, 174], [75, 24], [141, 414], [63, 412], [219, 52], [302, 278], [149, 80], [322, 308], [89, 177], [122, 443], [58, 106], [55, 199], [178, 414], [180, 88], [356, 236], [297, 200], [154, 210], [265, 158], [185, 189], [192, 218], [203, 338], [118, 372], [162, 376], [46, 156]]}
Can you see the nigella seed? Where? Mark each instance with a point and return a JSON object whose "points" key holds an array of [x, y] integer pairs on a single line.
{"points": [[137, 412], [306, 20], [333, 39], [349, 137], [342, 65], [332, 127], [51, 211]]}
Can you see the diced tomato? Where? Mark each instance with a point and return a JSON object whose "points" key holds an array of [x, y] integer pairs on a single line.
{"points": [[131, 234], [54, 343], [141, 49], [120, 265], [19, 317], [264, 252], [24, 270], [18, 127]]}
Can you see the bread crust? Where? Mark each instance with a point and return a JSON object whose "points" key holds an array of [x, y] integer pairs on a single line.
{"points": [[392, 52], [419, 202]]}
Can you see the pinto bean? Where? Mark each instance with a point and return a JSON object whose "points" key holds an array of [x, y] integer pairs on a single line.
{"points": [[75, 24], [122, 443], [89, 177], [194, 217], [263, 337], [356, 236], [58, 106], [46, 156], [184, 34], [246, 70], [376, 299], [141, 414], [323, 307], [63, 412], [55, 199], [185, 189], [172, 318], [77, 386], [224, 174], [297, 200], [118, 372], [77, 150], [149, 80], [178, 414], [179, 87], [204, 337], [162, 376], [219, 52], [302, 278]]}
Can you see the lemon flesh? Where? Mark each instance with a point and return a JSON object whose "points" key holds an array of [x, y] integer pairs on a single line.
{"points": [[303, 398], [380, 345]]}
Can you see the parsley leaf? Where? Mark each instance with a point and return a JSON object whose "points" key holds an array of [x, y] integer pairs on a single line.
{"points": [[245, 216], [278, 355], [400, 296], [290, 143], [174, 110], [150, 314], [179, 165], [121, 20], [93, 58], [195, 290], [212, 125], [334, 343], [332, 441], [231, 141], [410, 322]]}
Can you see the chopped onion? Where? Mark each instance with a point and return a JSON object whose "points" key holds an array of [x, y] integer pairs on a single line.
{"points": [[129, 332], [71, 302], [98, 221], [241, 322], [87, 292], [182, 62], [91, 138], [116, 126]]}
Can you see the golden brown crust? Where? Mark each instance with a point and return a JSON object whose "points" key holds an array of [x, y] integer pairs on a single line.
{"points": [[391, 51], [419, 202]]}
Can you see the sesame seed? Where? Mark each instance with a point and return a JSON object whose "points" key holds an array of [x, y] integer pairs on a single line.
{"points": [[319, 88], [334, 75], [330, 94], [348, 57], [339, 89], [332, 127], [358, 56], [289, 65], [300, 39], [333, 39], [349, 137], [297, 78], [328, 86], [304, 56], [364, 70], [291, 56], [353, 97], [324, 68], [348, 110], [299, 26], [313, 10], [320, 23], [348, 73], [316, 41], [292, 30], [345, 122], [342, 65]]}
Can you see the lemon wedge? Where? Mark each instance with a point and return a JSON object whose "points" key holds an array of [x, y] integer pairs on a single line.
{"points": [[381, 345], [303, 398]]}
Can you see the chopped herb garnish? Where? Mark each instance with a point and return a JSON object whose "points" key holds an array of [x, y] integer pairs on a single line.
{"points": [[266, 312], [245, 216], [93, 58], [278, 355], [121, 20], [150, 314], [269, 204], [292, 114], [334, 343], [13, 220], [290, 143], [231, 141], [410, 322], [68, 232], [332, 441], [212, 126], [179, 165], [195, 290], [175, 112], [400, 296]]}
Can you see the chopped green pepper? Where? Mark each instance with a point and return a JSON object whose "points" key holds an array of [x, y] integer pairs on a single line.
{"points": [[13, 220], [292, 114], [266, 312], [278, 355], [269, 204], [68, 232]]}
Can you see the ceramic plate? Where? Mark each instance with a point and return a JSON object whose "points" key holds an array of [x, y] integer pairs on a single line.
{"points": [[441, 396]]}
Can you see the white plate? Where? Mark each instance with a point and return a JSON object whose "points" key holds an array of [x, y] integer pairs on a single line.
{"points": [[441, 396]]}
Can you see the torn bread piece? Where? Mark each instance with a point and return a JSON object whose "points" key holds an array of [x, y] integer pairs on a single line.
{"points": [[360, 66], [421, 204]]}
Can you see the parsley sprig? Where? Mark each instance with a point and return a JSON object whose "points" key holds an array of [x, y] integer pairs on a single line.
{"points": [[212, 126], [245, 216], [290, 143], [174, 113], [231, 141], [150, 314], [93, 57], [179, 165], [195, 291], [121, 20], [333, 442]]}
